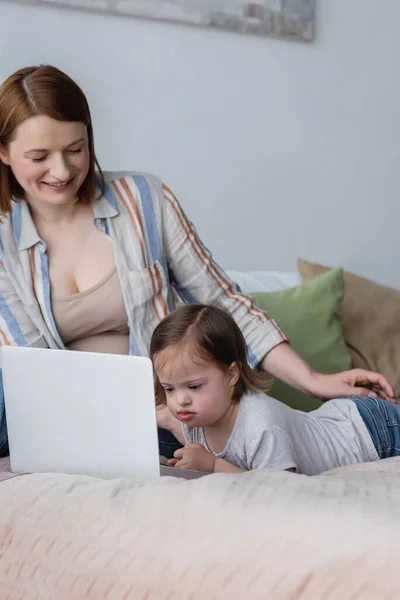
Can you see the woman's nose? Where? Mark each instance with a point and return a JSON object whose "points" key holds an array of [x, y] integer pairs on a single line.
{"points": [[60, 169]]}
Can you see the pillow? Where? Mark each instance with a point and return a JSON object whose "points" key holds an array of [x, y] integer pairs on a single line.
{"points": [[308, 314], [370, 319]]}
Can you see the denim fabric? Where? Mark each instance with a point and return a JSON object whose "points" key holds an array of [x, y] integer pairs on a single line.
{"points": [[167, 443], [382, 420], [3, 424]]}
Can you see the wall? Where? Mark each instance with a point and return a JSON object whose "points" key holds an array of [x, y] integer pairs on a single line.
{"points": [[275, 149]]}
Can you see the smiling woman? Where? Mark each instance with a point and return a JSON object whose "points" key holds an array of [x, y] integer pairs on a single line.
{"points": [[54, 148], [59, 165]]}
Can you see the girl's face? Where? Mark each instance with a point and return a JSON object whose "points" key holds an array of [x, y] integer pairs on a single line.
{"points": [[198, 392], [49, 159]]}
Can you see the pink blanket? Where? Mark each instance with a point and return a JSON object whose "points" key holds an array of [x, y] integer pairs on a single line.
{"points": [[5, 471], [259, 535]]}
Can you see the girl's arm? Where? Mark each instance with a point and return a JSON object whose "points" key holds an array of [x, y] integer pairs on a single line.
{"points": [[165, 420], [223, 466]]}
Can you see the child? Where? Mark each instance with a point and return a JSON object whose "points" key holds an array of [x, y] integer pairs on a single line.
{"points": [[202, 373]]}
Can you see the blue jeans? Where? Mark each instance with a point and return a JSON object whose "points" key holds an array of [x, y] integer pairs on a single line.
{"points": [[167, 443], [3, 424], [382, 420]]}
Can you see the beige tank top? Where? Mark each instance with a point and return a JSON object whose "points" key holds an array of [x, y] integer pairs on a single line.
{"points": [[94, 320]]}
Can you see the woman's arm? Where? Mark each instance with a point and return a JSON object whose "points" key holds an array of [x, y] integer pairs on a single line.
{"points": [[16, 329], [283, 362], [197, 278]]}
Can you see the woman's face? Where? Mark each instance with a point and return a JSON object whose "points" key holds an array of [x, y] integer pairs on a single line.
{"points": [[49, 159]]}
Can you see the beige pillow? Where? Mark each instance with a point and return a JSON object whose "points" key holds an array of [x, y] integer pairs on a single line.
{"points": [[370, 320]]}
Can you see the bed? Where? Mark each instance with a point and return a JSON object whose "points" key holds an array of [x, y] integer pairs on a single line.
{"points": [[259, 535]]}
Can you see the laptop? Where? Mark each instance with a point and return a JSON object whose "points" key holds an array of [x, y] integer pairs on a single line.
{"points": [[82, 413]]}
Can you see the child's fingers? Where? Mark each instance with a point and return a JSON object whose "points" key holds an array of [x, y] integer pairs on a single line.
{"points": [[178, 453], [172, 462]]}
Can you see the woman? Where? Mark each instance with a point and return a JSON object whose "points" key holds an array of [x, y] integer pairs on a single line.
{"points": [[91, 266]]}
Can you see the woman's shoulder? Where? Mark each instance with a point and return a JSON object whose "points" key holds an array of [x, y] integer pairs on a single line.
{"points": [[11, 223], [138, 178], [134, 187]]}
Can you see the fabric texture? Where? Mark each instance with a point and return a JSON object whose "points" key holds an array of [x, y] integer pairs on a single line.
{"points": [[257, 535], [309, 315], [267, 433], [157, 250], [5, 469], [94, 320], [167, 443], [370, 319], [382, 420], [256, 441]]}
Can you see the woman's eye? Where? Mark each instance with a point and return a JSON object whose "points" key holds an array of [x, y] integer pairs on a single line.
{"points": [[42, 158]]}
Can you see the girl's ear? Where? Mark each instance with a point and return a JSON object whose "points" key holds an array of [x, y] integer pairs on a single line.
{"points": [[4, 155], [234, 374]]}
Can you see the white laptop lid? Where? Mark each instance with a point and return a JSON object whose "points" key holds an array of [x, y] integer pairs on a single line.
{"points": [[80, 413]]}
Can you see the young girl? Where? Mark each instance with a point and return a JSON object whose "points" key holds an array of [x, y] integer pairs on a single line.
{"points": [[202, 373]]}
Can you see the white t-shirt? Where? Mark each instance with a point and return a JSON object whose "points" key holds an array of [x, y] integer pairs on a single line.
{"points": [[267, 433]]}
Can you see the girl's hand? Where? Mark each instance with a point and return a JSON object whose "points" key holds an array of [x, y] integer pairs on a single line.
{"points": [[193, 456], [166, 420]]}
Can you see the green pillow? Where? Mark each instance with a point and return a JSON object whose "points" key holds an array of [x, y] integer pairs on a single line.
{"points": [[308, 314]]}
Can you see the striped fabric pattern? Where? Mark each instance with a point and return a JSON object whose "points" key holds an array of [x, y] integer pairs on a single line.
{"points": [[156, 249]]}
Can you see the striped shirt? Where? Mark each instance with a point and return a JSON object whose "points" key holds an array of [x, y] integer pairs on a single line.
{"points": [[157, 250]]}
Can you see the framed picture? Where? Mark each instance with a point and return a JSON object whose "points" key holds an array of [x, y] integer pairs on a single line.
{"points": [[288, 19]]}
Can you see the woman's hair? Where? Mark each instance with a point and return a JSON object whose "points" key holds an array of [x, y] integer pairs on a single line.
{"points": [[211, 334], [43, 90]]}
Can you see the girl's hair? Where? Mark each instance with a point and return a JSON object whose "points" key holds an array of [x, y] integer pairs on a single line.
{"points": [[43, 90], [209, 333]]}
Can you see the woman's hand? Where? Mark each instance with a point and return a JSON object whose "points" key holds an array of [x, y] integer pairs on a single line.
{"points": [[193, 456], [356, 382], [283, 362]]}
